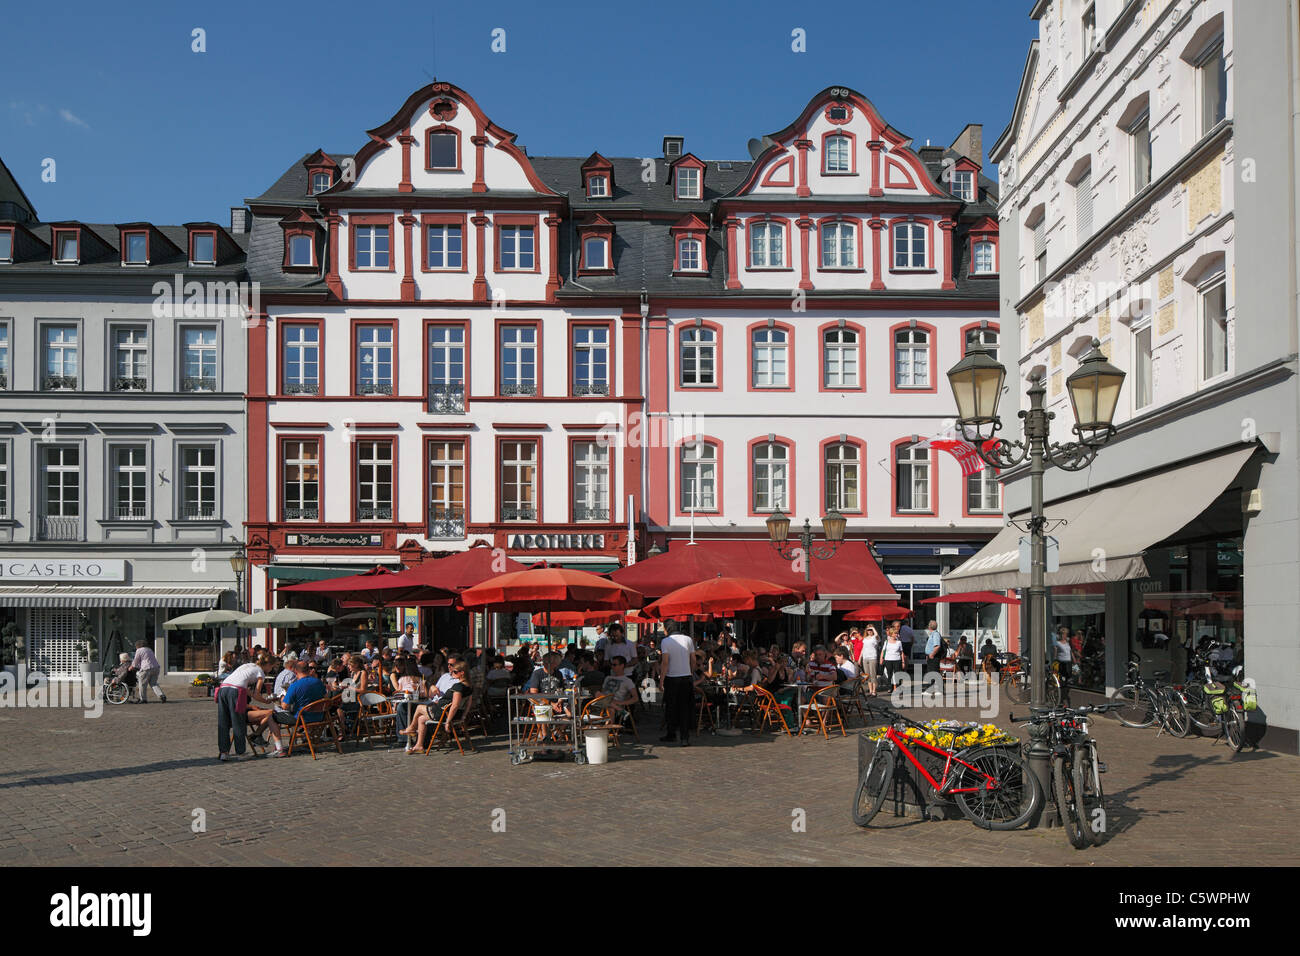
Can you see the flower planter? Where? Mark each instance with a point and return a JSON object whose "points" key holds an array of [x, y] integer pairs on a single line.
{"points": [[204, 691]]}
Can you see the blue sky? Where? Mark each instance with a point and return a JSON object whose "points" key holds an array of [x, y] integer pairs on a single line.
{"points": [[143, 128]]}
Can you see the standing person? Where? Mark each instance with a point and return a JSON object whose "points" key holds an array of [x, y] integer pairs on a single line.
{"points": [[870, 657], [147, 669], [602, 637], [1064, 662], [232, 706], [408, 641], [907, 638], [618, 645], [855, 644], [934, 647], [676, 681], [892, 654]]}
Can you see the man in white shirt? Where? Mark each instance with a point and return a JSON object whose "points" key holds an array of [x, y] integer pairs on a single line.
{"points": [[408, 640], [284, 679], [677, 678], [617, 646], [147, 669]]}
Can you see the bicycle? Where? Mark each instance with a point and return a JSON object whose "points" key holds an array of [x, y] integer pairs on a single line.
{"points": [[1076, 771], [1018, 683], [994, 788], [1218, 706], [1143, 703]]}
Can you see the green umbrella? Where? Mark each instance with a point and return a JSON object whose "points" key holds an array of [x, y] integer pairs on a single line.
{"points": [[200, 620], [285, 617]]}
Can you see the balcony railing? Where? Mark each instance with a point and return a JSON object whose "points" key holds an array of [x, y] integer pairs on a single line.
{"points": [[131, 512], [301, 388], [595, 388], [518, 514], [375, 512], [198, 384], [375, 388], [4, 380], [585, 513], [446, 522], [529, 389], [199, 512], [308, 513], [59, 383], [129, 384], [447, 399], [60, 528]]}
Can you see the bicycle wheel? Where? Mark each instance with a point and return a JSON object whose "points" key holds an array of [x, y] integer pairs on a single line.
{"points": [[1174, 716], [1200, 712], [1139, 708], [1018, 686], [1012, 798], [115, 693], [1066, 805], [1234, 728], [1088, 798], [1052, 692], [873, 785]]}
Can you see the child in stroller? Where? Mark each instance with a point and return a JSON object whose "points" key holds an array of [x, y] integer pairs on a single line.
{"points": [[120, 687]]}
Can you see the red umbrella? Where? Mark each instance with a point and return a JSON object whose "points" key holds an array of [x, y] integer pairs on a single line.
{"points": [[461, 569], [878, 612], [550, 589], [576, 618], [973, 597], [723, 596], [377, 587]]}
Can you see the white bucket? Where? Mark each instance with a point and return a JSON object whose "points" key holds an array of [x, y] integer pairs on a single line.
{"points": [[597, 746]]}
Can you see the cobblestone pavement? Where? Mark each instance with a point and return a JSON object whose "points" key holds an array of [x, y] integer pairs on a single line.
{"points": [[123, 789]]}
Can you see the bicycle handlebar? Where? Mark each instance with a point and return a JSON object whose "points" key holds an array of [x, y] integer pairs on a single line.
{"points": [[1038, 715]]}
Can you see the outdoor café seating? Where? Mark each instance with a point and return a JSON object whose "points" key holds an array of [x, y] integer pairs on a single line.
{"points": [[823, 709], [313, 721]]}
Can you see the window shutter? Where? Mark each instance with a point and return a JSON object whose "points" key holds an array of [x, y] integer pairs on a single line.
{"points": [[1083, 204], [1040, 236]]}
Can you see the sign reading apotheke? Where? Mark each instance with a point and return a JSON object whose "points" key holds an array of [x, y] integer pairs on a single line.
{"points": [[571, 542], [62, 570]]}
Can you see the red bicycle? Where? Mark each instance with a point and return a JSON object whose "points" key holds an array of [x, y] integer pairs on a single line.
{"points": [[993, 786]]}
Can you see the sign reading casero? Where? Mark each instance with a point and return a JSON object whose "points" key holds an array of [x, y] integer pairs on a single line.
{"points": [[570, 542], [62, 570]]}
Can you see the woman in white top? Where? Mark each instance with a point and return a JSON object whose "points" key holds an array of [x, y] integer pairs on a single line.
{"points": [[891, 656], [870, 656], [232, 706]]}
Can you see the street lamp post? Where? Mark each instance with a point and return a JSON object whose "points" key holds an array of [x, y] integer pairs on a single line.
{"points": [[778, 533], [239, 564], [1094, 393]]}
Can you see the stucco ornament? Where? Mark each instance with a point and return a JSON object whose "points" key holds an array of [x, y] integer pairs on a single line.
{"points": [[1133, 250]]}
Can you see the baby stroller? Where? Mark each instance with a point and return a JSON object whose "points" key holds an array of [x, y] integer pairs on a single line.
{"points": [[120, 686]]}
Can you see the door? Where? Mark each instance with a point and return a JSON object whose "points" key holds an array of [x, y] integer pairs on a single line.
{"points": [[55, 642]]}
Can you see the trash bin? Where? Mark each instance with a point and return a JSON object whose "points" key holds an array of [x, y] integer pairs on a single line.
{"points": [[597, 746]]}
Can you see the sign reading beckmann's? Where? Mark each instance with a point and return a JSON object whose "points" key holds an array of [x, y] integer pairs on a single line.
{"points": [[341, 540], [61, 570], [558, 542]]}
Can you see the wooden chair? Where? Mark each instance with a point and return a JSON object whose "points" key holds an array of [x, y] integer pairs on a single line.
{"points": [[768, 710], [311, 730], [596, 715], [704, 711], [825, 709], [376, 714], [853, 695], [453, 729], [478, 715]]}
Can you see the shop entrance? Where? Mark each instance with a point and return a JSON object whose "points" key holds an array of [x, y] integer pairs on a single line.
{"points": [[55, 642]]}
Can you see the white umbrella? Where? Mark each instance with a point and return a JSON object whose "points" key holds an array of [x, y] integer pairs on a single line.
{"points": [[200, 620], [285, 617]]}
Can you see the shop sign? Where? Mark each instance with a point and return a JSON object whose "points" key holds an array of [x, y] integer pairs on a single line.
{"points": [[61, 570], [558, 542], [339, 540]]}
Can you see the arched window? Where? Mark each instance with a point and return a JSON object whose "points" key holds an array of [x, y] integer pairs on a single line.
{"points": [[771, 476], [909, 246], [771, 358], [838, 156], [839, 246]]}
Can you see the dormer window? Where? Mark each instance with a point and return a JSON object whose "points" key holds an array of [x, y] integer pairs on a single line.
{"points": [[963, 185], [597, 244], [67, 246], [320, 182], [598, 177], [301, 251], [203, 248], [135, 248], [688, 182], [595, 253], [598, 187], [6, 245], [688, 241], [442, 149], [690, 255]]}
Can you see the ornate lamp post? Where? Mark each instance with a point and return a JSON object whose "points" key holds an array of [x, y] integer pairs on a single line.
{"points": [[1094, 393], [239, 564], [778, 533]]}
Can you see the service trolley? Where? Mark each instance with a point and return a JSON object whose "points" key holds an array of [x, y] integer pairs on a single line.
{"points": [[563, 720]]}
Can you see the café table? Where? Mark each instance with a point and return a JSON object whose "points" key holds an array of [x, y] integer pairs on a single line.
{"points": [[801, 687]]}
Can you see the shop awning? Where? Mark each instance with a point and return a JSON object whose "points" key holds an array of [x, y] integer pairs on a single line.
{"points": [[54, 595], [301, 572], [1106, 531], [850, 574]]}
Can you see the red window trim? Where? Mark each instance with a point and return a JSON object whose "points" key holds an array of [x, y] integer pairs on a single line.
{"points": [[56, 233], [357, 326], [216, 253], [320, 477], [862, 357], [122, 237], [789, 505], [894, 387], [929, 245], [966, 165], [536, 439], [12, 251], [965, 500], [428, 152], [861, 445], [853, 152], [857, 227], [284, 325], [689, 161], [598, 165], [427, 484], [598, 174], [611, 496], [984, 324], [749, 237], [312, 173], [597, 227], [424, 346], [514, 219], [444, 219], [892, 163], [985, 231], [783, 164], [717, 358], [690, 227], [679, 485], [371, 219], [789, 355], [289, 233], [356, 478], [499, 326], [611, 366], [893, 478]]}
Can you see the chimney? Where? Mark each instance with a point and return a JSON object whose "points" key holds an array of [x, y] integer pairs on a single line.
{"points": [[238, 219], [673, 147], [970, 143]]}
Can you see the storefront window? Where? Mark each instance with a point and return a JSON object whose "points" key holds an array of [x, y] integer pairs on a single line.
{"points": [[186, 650], [1081, 610]]}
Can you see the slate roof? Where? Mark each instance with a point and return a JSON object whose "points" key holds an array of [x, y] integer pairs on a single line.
{"points": [[14, 203], [291, 188]]}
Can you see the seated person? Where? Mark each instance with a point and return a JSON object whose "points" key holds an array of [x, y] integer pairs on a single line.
{"points": [[820, 671], [622, 692], [284, 679], [965, 655], [845, 670], [590, 680], [304, 689], [498, 679], [429, 717]]}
